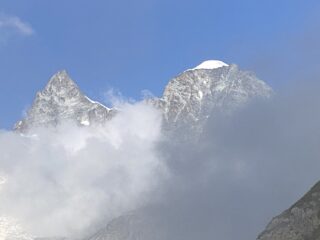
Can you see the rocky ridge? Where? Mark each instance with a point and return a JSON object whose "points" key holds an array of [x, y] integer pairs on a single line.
{"points": [[300, 222]]}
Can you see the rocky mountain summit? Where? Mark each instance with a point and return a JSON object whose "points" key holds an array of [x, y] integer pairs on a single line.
{"points": [[62, 100], [190, 98], [300, 222]]}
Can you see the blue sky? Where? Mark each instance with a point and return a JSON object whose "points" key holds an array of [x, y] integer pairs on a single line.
{"points": [[142, 44]]}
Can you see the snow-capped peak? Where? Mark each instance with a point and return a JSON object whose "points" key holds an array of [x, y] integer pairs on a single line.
{"points": [[211, 64]]}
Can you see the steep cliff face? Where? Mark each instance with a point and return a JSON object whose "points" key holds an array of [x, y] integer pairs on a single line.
{"points": [[62, 100], [299, 222]]}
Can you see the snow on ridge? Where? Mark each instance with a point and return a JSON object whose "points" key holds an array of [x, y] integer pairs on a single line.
{"points": [[95, 102], [210, 64]]}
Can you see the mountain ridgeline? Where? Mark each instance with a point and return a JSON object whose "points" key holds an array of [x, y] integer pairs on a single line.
{"points": [[187, 101]]}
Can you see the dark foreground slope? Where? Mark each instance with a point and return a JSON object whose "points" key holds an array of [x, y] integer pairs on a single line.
{"points": [[299, 222]]}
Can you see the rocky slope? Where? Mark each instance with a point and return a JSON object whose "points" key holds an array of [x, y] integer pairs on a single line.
{"points": [[299, 222]]}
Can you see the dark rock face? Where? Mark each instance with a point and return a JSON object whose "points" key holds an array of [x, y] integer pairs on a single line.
{"points": [[299, 222]]}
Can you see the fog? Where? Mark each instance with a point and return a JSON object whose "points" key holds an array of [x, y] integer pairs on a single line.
{"points": [[247, 168], [68, 181]]}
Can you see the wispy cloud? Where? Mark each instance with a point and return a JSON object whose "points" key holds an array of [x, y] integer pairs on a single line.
{"points": [[13, 25]]}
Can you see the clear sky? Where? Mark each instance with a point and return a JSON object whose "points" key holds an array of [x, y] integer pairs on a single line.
{"points": [[142, 44]]}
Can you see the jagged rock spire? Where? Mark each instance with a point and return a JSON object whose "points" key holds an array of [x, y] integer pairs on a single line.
{"points": [[61, 100], [60, 82]]}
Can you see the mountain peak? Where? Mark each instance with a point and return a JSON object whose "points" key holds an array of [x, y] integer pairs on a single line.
{"points": [[190, 98], [61, 80], [211, 64], [62, 100], [61, 73], [60, 76]]}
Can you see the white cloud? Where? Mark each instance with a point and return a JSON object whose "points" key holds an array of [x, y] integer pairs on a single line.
{"points": [[62, 181], [10, 25]]}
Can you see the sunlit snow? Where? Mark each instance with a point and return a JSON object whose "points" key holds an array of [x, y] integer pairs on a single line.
{"points": [[211, 64]]}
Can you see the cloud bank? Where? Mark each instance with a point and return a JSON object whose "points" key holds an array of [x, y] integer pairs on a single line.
{"points": [[247, 168], [69, 180]]}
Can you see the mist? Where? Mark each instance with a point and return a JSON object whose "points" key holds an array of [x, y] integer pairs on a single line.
{"points": [[68, 181], [247, 168]]}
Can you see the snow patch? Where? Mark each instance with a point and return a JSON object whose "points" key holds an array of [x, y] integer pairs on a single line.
{"points": [[211, 64], [85, 122], [200, 93]]}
